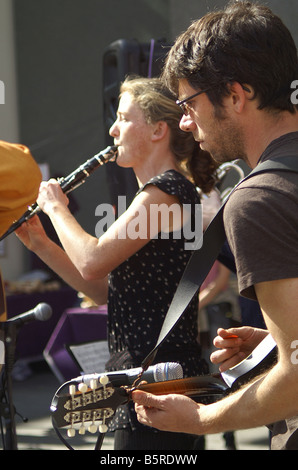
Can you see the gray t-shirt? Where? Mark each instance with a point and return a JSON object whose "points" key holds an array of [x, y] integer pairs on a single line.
{"points": [[261, 222]]}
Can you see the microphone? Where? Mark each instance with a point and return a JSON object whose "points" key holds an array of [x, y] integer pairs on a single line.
{"points": [[41, 312], [157, 373]]}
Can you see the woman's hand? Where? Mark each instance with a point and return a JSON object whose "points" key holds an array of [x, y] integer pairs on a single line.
{"points": [[50, 195], [32, 234]]}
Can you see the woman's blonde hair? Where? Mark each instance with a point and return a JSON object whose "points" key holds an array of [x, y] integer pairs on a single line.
{"points": [[158, 104]]}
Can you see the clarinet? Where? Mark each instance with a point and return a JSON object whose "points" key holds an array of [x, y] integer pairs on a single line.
{"points": [[69, 183]]}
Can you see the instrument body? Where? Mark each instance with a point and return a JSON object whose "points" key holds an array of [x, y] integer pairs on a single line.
{"points": [[69, 183]]}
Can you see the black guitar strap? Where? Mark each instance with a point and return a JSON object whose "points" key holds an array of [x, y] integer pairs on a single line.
{"points": [[203, 259]]}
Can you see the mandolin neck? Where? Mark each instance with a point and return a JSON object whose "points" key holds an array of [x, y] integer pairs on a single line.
{"points": [[210, 385]]}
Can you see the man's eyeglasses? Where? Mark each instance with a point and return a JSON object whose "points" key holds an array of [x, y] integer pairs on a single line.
{"points": [[183, 103], [186, 108]]}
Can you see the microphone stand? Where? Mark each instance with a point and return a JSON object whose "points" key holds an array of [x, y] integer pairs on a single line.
{"points": [[7, 406], [99, 441]]}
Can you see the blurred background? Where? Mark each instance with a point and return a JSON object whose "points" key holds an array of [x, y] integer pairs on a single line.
{"points": [[61, 62]]}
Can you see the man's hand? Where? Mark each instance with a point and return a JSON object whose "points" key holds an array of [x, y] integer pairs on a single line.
{"points": [[234, 345], [175, 413]]}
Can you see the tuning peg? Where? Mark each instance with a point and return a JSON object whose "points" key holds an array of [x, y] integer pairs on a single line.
{"points": [[82, 388], [103, 428], [71, 432], [93, 384], [92, 428], [82, 429], [104, 380]]}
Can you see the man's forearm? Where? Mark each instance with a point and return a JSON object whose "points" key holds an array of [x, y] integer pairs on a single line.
{"points": [[256, 404]]}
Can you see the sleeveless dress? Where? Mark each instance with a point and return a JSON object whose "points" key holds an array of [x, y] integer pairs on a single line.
{"points": [[140, 292]]}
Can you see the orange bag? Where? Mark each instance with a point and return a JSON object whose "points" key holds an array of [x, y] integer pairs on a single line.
{"points": [[20, 178]]}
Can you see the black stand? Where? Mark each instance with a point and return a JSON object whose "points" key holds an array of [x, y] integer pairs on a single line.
{"points": [[9, 333]]}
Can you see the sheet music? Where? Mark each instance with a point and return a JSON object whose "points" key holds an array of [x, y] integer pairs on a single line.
{"points": [[91, 357]]}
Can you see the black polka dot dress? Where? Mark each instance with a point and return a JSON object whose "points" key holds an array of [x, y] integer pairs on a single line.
{"points": [[140, 292]]}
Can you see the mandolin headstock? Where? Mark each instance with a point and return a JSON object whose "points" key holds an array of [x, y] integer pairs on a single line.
{"points": [[87, 407]]}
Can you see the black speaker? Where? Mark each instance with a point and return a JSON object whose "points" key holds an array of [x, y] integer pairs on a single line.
{"points": [[121, 58]]}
